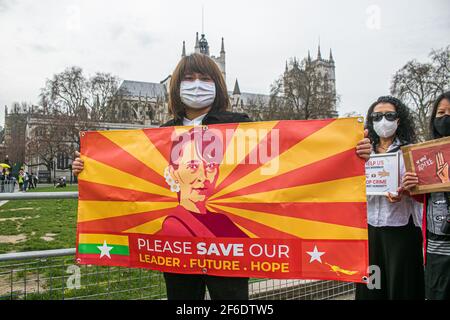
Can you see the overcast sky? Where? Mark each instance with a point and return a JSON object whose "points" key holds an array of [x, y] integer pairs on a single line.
{"points": [[142, 40]]}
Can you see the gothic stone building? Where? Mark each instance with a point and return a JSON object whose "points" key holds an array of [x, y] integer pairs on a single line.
{"points": [[146, 102], [24, 124], [141, 105]]}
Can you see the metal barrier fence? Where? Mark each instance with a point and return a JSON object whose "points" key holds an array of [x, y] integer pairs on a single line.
{"points": [[53, 274], [7, 185]]}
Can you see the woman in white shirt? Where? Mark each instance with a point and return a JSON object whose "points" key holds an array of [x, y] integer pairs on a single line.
{"points": [[395, 240]]}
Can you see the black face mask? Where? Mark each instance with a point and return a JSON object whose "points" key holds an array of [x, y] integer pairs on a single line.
{"points": [[442, 125]]}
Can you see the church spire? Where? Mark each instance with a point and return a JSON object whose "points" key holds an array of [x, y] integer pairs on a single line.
{"points": [[236, 90], [222, 50], [183, 52], [309, 56], [203, 45], [331, 56], [319, 56], [197, 45]]}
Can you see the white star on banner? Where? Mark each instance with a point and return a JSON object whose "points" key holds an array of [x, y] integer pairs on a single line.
{"points": [[315, 255], [104, 250]]}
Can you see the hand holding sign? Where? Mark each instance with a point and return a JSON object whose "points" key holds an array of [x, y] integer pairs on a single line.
{"points": [[427, 160], [441, 167], [393, 198], [382, 175], [410, 181]]}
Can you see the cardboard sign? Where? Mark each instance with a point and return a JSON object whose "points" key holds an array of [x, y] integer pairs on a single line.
{"points": [[430, 161], [382, 174]]}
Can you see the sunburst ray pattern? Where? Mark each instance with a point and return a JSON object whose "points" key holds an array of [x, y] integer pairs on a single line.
{"points": [[275, 180], [316, 164]]}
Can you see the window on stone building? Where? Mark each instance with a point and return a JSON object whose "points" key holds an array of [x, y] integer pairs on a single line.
{"points": [[40, 131], [149, 113], [124, 112], [62, 161]]}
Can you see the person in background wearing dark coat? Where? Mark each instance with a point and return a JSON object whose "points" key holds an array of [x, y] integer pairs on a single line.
{"points": [[437, 211]]}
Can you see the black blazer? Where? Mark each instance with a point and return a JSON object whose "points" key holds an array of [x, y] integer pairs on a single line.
{"points": [[214, 117]]}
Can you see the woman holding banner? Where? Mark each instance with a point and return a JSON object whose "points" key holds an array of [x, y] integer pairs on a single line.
{"points": [[395, 254], [436, 211], [198, 96]]}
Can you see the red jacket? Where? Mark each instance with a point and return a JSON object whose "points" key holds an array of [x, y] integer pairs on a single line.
{"points": [[422, 198]]}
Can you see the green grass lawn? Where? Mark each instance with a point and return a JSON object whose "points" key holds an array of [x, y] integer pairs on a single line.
{"points": [[28, 225], [51, 224], [53, 189], [38, 224]]}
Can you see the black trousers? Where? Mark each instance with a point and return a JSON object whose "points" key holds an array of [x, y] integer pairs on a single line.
{"points": [[437, 277], [397, 251], [193, 287]]}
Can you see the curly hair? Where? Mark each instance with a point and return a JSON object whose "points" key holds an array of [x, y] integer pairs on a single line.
{"points": [[405, 131], [433, 132]]}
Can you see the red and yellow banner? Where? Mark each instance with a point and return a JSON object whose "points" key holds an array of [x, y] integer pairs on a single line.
{"points": [[279, 199]]}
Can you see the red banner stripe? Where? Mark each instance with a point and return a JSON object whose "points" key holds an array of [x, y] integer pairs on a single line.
{"points": [[162, 141], [246, 167], [345, 213], [103, 192], [116, 260], [108, 152], [122, 223], [342, 255], [257, 228], [348, 162]]}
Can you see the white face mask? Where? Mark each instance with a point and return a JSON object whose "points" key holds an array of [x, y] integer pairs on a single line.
{"points": [[385, 128], [197, 94]]}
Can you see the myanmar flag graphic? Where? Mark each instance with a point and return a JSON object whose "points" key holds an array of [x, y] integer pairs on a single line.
{"points": [[108, 249], [277, 199]]}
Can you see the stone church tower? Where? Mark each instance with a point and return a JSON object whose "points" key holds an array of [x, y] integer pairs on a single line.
{"points": [[202, 46], [326, 68]]}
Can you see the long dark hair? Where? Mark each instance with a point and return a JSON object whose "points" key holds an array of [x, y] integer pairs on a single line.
{"points": [[405, 131], [433, 133], [197, 62]]}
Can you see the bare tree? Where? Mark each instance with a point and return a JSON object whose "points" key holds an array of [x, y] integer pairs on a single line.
{"points": [[257, 108], [302, 92], [440, 60], [46, 143], [418, 85], [78, 102], [102, 88], [66, 92]]}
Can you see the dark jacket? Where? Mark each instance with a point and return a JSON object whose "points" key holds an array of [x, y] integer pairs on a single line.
{"points": [[214, 117]]}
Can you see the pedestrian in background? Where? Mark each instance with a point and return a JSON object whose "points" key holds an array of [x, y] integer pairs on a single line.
{"points": [[20, 180], [25, 181]]}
